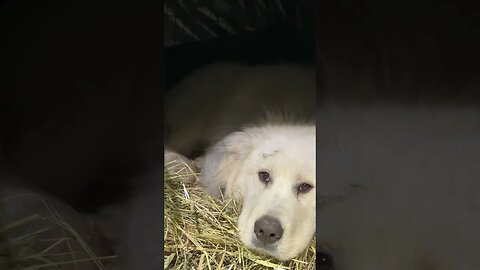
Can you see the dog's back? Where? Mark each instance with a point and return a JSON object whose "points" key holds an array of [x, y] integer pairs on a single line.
{"points": [[399, 187], [221, 98]]}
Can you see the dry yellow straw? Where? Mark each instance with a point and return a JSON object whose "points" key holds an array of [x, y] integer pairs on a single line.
{"points": [[201, 233]]}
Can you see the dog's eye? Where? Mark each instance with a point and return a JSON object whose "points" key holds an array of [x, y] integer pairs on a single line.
{"points": [[264, 176], [324, 261], [304, 187]]}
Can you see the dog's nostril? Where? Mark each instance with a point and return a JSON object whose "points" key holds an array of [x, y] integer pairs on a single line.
{"points": [[268, 230]]}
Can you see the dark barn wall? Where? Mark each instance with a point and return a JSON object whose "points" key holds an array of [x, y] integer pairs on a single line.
{"points": [[401, 50], [275, 38], [80, 96], [81, 93]]}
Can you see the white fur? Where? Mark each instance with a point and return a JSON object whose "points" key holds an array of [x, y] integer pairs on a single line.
{"points": [[399, 187], [221, 98], [205, 107], [213, 103], [234, 163]]}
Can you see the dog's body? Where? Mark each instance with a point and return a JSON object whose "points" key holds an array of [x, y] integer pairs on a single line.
{"points": [[258, 119], [399, 187], [221, 98], [247, 111]]}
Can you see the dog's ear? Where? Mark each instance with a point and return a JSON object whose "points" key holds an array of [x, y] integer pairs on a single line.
{"points": [[222, 162], [239, 144]]}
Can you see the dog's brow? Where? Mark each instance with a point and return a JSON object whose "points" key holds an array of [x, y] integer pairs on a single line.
{"points": [[266, 155], [301, 178]]}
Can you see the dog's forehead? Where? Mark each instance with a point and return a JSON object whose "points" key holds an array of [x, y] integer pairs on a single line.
{"points": [[300, 152], [299, 163], [288, 144]]}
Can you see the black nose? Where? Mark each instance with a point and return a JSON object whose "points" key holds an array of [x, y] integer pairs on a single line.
{"points": [[268, 230]]}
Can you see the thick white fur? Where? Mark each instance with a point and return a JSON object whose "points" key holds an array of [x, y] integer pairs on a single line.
{"points": [[211, 103], [287, 152], [399, 187], [221, 98], [214, 103]]}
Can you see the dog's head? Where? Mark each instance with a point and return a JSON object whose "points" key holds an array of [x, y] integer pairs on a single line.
{"points": [[272, 169]]}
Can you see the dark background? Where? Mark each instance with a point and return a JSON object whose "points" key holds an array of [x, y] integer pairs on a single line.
{"points": [[82, 86], [409, 51], [80, 94]]}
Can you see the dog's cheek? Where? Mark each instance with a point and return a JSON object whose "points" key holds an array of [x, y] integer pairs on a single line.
{"points": [[252, 193], [248, 208], [301, 233], [244, 228]]}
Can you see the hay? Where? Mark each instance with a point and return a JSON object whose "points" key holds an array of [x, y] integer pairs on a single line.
{"points": [[43, 241], [201, 233]]}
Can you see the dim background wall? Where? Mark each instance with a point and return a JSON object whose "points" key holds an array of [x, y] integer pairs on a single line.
{"points": [[81, 91], [81, 101], [80, 94]]}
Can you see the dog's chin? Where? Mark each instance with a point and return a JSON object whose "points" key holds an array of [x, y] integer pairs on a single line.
{"points": [[270, 250]]}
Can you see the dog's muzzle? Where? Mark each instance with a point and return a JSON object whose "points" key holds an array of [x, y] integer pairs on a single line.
{"points": [[268, 230]]}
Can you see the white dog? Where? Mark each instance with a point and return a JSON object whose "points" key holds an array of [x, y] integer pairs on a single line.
{"points": [[272, 170], [271, 163], [270, 166], [398, 188]]}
